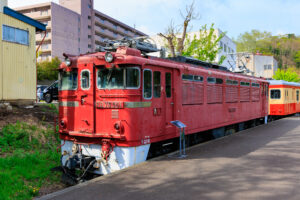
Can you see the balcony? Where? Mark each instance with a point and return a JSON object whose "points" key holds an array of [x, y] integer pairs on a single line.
{"points": [[110, 26], [104, 33]]}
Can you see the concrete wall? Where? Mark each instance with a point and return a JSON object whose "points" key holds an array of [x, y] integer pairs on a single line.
{"points": [[228, 49], [17, 64], [260, 61], [65, 34], [84, 8], [255, 63]]}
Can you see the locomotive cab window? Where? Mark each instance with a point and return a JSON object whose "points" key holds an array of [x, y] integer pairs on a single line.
{"points": [[68, 80], [85, 79], [118, 78], [275, 94], [147, 85]]}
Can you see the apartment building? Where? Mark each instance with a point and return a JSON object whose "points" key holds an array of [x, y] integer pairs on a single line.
{"points": [[257, 64], [226, 45], [74, 27]]}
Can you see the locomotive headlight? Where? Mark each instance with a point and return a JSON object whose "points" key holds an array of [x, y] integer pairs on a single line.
{"points": [[62, 123], [68, 62], [109, 57], [74, 148]]}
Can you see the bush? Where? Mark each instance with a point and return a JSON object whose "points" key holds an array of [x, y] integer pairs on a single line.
{"points": [[47, 70]]}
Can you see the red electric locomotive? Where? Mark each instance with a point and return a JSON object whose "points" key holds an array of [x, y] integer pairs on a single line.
{"points": [[116, 105]]}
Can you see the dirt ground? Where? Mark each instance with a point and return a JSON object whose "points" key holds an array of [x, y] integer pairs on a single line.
{"points": [[40, 114]]}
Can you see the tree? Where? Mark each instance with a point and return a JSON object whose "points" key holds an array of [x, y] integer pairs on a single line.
{"points": [[206, 46], [284, 48], [175, 43], [286, 75], [48, 69], [252, 41]]}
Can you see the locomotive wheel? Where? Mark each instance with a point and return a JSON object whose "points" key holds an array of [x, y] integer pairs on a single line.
{"points": [[48, 98]]}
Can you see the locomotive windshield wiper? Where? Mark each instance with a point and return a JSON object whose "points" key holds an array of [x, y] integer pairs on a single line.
{"points": [[109, 76]]}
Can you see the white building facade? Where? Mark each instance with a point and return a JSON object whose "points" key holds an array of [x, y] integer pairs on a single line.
{"points": [[258, 65], [226, 45]]}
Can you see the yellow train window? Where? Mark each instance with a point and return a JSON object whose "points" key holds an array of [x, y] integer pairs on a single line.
{"points": [[275, 94]]}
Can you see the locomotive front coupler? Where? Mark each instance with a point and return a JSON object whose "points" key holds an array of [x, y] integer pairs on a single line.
{"points": [[77, 162], [106, 149]]}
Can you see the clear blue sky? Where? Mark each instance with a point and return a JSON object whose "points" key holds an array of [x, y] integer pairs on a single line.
{"points": [[232, 16]]}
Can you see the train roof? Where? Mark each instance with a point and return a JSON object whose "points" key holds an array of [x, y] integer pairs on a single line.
{"points": [[282, 82]]}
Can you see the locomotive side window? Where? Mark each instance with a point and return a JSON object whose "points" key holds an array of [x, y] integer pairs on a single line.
{"points": [[68, 80], [198, 78], [275, 94], [156, 84], [85, 79], [297, 94], [245, 84], [168, 84], [187, 77], [231, 82], [255, 85], [214, 80], [147, 89], [132, 77]]}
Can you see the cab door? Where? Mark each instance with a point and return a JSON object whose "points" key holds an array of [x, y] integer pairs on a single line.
{"points": [[264, 99], [85, 96], [168, 99]]}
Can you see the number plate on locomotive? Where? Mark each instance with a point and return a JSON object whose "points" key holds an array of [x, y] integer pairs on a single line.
{"points": [[109, 104]]}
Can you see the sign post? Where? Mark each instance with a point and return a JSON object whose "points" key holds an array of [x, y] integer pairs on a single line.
{"points": [[181, 127]]}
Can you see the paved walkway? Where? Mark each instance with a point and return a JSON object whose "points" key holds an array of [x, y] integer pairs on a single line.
{"points": [[260, 163]]}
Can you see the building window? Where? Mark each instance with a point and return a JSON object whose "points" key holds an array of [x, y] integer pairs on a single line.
{"points": [[126, 31], [221, 45], [89, 5], [269, 66], [89, 36], [78, 39], [78, 50], [15, 35], [78, 30], [89, 17], [89, 46], [116, 27], [225, 47], [89, 27], [45, 46], [266, 67]]}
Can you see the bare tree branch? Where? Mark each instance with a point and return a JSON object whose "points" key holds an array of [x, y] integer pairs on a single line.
{"points": [[176, 44]]}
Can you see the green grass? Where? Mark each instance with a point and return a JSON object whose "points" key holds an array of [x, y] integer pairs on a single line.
{"points": [[27, 155], [50, 107]]}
